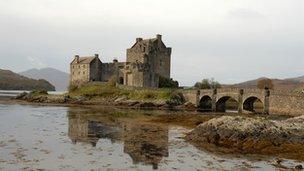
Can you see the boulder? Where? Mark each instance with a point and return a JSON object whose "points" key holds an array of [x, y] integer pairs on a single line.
{"points": [[251, 135]]}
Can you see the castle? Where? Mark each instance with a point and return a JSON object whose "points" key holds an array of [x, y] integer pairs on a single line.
{"points": [[147, 61]]}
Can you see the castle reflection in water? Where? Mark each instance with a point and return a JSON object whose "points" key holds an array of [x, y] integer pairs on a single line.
{"points": [[145, 143]]}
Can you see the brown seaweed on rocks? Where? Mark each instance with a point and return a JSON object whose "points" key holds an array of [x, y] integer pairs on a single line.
{"points": [[241, 134]]}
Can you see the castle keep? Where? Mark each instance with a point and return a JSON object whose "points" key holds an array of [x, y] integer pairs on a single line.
{"points": [[147, 61]]}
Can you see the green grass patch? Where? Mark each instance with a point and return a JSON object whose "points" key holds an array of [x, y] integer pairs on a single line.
{"points": [[93, 90]]}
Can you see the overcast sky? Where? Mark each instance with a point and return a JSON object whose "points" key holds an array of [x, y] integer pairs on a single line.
{"points": [[230, 40]]}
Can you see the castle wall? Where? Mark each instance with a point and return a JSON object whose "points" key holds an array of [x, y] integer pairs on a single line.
{"points": [[163, 63], [134, 55], [80, 73], [95, 71], [109, 70]]}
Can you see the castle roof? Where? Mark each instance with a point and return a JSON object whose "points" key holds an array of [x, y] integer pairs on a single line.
{"points": [[84, 60]]}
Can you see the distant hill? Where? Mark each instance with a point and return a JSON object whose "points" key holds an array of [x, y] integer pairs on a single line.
{"points": [[58, 78], [279, 84], [301, 79], [12, 81]]}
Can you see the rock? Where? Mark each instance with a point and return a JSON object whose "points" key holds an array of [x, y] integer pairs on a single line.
{"points": [[251, 135], [146, 105], [299, 167], [120, 99], [79, 100], [165, 106], [130, 102], [21, 95], [279, 161], [189, 105]]}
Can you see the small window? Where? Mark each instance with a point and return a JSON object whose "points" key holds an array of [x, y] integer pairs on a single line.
{"points": [[79, 73], [78, 66], [83, 72], [73, 66], [144, 49], [73, 73]]}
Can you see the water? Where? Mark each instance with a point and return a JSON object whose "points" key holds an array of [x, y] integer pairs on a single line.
{"points": [[65, 138], [7, 94]]}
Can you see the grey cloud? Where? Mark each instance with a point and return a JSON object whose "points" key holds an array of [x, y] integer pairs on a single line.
{"points": [[245, 13], [212, 45]]}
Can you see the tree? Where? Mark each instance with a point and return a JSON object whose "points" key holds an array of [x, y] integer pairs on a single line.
{"points": [[167, 83], [207, 84], [265, 84]]}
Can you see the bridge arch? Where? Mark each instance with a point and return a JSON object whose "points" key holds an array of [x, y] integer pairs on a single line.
{"points": [[226, 102], [253, 104], [205, 103]]}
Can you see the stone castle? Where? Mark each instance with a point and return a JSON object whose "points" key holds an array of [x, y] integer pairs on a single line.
{"points": [[147, 61]]}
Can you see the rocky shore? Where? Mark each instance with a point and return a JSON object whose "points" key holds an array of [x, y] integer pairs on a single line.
{"points": [[255, 135]]}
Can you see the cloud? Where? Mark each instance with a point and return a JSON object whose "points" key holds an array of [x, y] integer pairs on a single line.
{"points": [[229, 40], [245, 13], [36, 62]]}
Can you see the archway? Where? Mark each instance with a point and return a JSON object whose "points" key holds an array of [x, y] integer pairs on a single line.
{"points": [[121, 80], [253, 104], [227, 103], [205, 103]]}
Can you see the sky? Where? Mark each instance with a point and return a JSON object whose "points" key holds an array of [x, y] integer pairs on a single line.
{"points": [[228, 40]]}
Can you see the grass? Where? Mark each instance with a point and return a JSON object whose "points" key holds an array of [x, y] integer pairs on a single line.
{"points": [[93, 90]]}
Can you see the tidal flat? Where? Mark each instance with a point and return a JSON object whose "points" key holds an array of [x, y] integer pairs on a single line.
{"points": [[106, 138]]}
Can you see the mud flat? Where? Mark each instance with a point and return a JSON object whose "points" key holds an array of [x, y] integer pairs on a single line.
{"points": [[251, 135]]}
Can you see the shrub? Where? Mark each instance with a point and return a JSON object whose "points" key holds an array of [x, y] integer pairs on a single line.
{"points": [[167, 83], [112, 81], [72, 87], [207, 84], [175, 98]]}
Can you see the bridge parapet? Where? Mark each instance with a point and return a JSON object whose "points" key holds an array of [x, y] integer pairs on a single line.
{"points": [[274, 101], [230, 90], [286, 93]]}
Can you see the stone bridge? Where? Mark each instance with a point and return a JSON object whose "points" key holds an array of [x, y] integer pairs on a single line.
{"points": [[216, 99]]}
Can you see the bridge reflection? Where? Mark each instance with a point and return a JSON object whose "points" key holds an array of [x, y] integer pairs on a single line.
{"points": [[145, 143]]}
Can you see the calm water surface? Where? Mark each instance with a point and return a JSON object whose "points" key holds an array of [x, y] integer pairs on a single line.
{"points": [[63, 138]]}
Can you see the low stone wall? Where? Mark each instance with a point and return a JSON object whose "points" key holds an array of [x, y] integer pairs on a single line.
{"points": [[192, 96], [289, 104]]}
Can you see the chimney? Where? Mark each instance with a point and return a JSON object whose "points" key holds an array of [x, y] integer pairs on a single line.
{"points": [[77, 58], [159, 37], [138, 39], [96, 55]]}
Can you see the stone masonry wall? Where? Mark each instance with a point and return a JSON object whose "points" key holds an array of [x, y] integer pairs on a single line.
{"points": [[80, 73], [281, 103], [109, 70]]}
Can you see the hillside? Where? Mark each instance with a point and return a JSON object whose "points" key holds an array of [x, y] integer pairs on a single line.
{"points": [[301, 79], [12, 81], [58, 78], [279, 84]]}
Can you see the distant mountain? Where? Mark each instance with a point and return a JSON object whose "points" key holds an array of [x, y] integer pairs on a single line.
{"points": [[58, 78], [12, 81], [301, 79], [279, 84]]}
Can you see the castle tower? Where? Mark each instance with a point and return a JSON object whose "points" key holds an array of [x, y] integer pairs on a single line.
{"points": [[147, 61]]}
